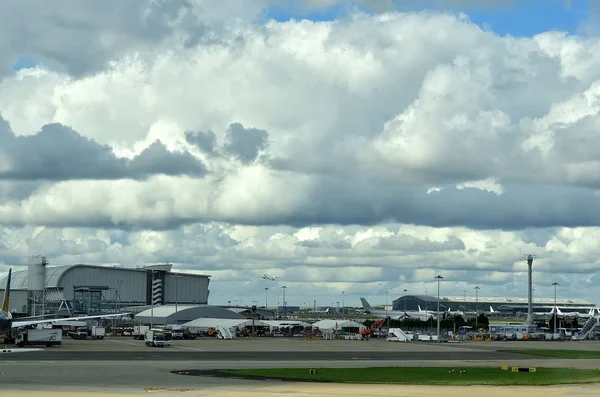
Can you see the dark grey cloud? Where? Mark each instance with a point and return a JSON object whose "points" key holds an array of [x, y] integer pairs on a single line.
{"points": [[60, 153], [205, 141], [411, 244], [80, 37], [245, 143]]}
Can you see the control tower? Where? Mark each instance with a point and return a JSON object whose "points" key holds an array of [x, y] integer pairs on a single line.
{"points": [[529, 291]]}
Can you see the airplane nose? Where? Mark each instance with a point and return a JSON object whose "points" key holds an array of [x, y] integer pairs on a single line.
{"points": [[4, 324]]}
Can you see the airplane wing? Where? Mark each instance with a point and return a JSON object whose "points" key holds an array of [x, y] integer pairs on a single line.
{"points": [[17, 324]]}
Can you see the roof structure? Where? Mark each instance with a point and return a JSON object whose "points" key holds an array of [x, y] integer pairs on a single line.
{"points": [[497, 300], [225, 322], [285, 323], [177, 314], [331, 324], [20, 278]]}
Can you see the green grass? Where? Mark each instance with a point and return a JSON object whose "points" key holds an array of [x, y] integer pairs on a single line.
{"points": [[556, 353], [425, 375]]}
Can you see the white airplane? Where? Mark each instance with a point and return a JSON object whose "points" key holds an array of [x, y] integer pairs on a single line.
{"points": [[7, 323], [455, 312], [395, 314], [322, 311], [267, 277], [589, 314]]}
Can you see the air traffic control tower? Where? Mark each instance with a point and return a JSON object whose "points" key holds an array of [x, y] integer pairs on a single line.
{"points": [[529, 292]]}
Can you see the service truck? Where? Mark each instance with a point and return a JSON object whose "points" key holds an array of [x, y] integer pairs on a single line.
{"points": [[139, 331], [39, 336], [157, 338]]}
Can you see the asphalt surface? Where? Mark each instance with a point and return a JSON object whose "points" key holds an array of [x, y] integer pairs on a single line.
{"points": [[165, 354], [124, 365]]}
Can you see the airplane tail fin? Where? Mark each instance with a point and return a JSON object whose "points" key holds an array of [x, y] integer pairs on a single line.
{"points": [[420, 311], [366, 305], [7, 293], [558, 311], [492, 310]]}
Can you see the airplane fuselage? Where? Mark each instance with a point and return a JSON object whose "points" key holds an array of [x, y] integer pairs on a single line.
{"points": [[5, 323]]}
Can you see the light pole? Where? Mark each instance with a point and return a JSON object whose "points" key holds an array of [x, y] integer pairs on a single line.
{"points": [[555, 311], [405, 300], [284, 302], [118, 297], [476, 309], [386, 309], [465, 300], [266, 297], [176, 276], [343, 301], [439, 277]]}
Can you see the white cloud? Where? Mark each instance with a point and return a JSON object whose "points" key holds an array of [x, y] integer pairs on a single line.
{"points": [[339, 155]]}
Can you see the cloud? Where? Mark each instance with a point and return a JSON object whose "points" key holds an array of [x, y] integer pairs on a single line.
{"points": [[58, 153], [339, 155]]}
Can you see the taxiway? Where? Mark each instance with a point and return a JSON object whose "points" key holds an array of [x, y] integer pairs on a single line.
{"points": [[122, 365]]}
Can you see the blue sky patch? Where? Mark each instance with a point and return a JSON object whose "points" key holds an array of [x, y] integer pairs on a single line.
{"points": [[24, 63], [521, 18]]}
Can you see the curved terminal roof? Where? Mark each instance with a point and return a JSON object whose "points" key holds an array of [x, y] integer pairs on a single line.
{"points": [[171, 314], [495, 300], [20, 278]]}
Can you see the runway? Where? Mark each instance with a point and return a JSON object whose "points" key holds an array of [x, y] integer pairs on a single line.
{"points": [[123, 367], [166, 355]]}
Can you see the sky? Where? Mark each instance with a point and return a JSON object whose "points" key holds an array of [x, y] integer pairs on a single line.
{"points": [[351, 148]]}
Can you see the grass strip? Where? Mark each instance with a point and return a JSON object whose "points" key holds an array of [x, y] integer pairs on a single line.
{"points": [[424, 375], [556, 353]]}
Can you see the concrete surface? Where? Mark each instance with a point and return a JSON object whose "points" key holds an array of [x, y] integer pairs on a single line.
{"points": [[109, 368]]}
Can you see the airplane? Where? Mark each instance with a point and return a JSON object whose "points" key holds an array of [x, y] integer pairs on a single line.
{"points": [[589, 314], [394, 314], [7, 323], [322, 311], [267, 277], [455, 312]]}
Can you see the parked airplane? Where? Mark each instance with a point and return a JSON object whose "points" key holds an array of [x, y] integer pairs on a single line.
{"points": [[395, 314], [589, 314], [267, 277], [7, 323], [322, 311]]}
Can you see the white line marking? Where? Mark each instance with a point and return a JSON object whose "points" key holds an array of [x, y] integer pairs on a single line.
{"points": [[188, 348], [125, 343]]}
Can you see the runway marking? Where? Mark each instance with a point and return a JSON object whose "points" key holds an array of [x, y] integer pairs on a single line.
{"points": [[124, 343], [189, 348]]}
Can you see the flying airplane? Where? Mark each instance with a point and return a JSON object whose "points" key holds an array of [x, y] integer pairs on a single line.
{"points": [[7, 323], [267, 277], [395, 314]]}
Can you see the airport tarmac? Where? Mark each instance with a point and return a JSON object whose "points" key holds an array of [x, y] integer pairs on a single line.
{"points": [[57, 371]]}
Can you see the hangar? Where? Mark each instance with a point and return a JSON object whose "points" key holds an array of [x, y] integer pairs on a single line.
{"points": [[90, 289], [171, 314], [506, 306]]}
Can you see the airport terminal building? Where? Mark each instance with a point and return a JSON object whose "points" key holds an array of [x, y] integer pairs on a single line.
{"points": [[87, 289], [505, 306]]}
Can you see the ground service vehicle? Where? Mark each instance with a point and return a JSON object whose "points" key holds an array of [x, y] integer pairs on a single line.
{"points": [[39, 336]]}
